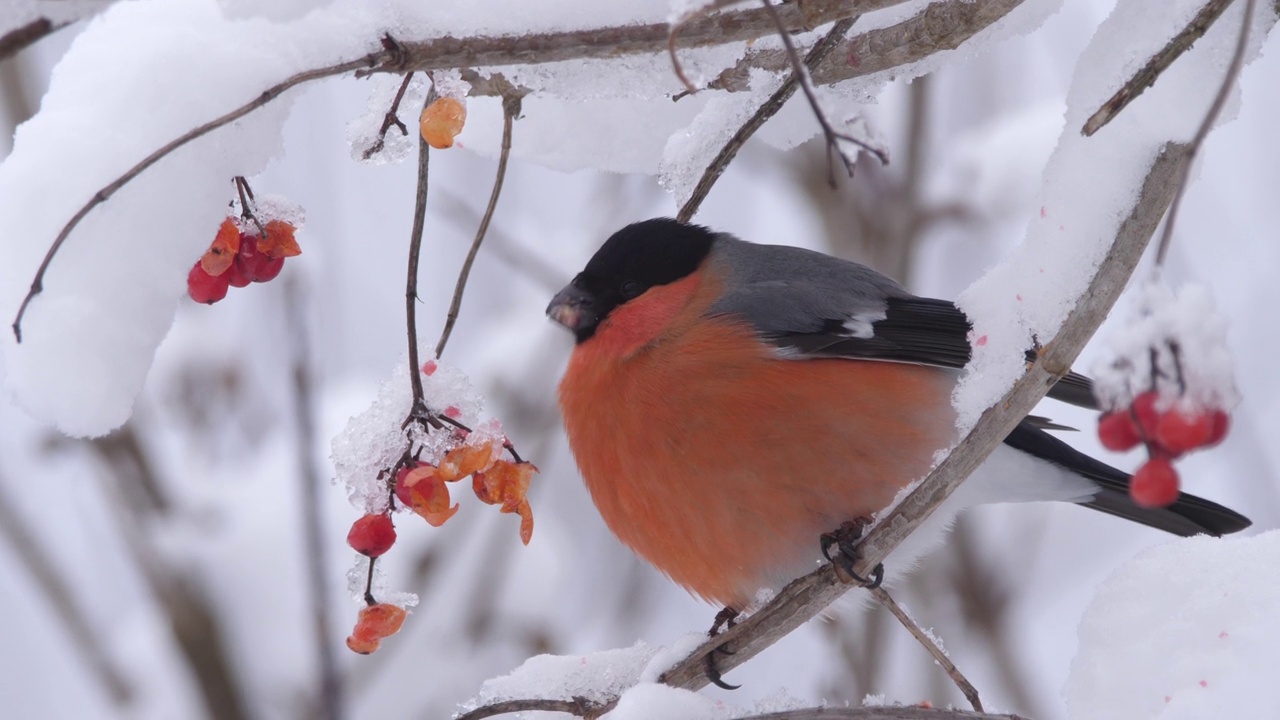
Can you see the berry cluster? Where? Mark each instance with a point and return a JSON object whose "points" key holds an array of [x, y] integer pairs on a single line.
{"points": [[239, 256], [423, 488], [1167, 434]]}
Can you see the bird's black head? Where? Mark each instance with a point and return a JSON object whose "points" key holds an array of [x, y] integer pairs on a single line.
{"points": [[636, 258]]}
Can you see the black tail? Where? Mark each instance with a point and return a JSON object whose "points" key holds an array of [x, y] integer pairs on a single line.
{"points": [[1187, 516]]}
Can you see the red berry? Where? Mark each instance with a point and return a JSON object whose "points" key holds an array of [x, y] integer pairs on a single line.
{"points": [[261, 268], [1221, 422], [206, 288], [236, 276], [402, 490], [1180, 432], [1117, 431], [1145, 413], [256, 265], [372, 535], [1155, 484]]}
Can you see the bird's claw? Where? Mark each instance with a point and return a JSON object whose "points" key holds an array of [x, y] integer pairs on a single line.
{"points": [[845, 541], [725, 620]]}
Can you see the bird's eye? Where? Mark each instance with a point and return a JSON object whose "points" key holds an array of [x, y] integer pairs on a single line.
{"points": [[631, 288]]}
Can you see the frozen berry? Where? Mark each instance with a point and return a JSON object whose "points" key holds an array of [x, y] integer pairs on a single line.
{"points": [[206, 288], [380, 621], [372, 535], [1155, 484], [1118, 432], [1180, 431]]}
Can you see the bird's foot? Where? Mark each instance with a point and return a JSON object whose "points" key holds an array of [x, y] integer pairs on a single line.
{"points": [[844, 540], [725, 620]]}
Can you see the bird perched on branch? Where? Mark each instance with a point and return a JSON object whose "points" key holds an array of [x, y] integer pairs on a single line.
{"points": [[729, 403]]}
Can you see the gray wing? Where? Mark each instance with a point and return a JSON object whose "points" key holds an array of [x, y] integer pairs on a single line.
{"points": [[812, 305]]}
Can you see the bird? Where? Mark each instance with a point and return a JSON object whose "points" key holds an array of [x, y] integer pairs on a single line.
{"points": [[730, 403]]}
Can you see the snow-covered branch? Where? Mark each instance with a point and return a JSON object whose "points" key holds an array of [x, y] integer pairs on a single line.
{"points": [[803, 599]]}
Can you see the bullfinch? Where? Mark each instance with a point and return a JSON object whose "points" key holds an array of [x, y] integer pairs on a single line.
{"points": [[728, 403]]}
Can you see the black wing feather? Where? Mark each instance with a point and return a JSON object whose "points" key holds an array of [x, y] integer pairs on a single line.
{"points": [[919, 330], [1188, 515]]}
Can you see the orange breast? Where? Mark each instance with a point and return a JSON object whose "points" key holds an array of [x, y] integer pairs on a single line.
{"points": [[719, 462]]}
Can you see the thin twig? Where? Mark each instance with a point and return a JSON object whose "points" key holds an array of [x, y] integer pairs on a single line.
{"points": [[311, 481], [510, 110], [800, 72], [941, 26], [246, 197], [418, 409], [767, 110], [586, 709], [390, 120], [1206, 125], [611, 42], [105, 193], [577, 706], [1147, 75], [804, 598], [966, 687], [893, 712]]}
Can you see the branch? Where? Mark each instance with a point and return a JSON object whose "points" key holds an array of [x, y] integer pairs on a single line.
{"points": [[510, 110], [1210, 118], [800, 73], [578, 706], [104, 194], [390, 120], [940, 26], [419, 407], [767, 110], [894, 712], [1146, 77], [966, 688], [615, 42], [804, 598], [23, 36], [585, 709], [15, 39]]}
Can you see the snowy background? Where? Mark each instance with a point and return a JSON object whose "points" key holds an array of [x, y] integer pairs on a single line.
{"points": [[177, 539]]}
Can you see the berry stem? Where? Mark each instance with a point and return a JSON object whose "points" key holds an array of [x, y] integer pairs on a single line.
{"points": [[418, 411]]}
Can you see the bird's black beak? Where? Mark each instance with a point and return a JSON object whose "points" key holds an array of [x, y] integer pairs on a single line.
{"points": [[575, 309]]}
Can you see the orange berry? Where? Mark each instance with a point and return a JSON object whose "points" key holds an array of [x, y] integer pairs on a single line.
{"points": [[441, 121]]}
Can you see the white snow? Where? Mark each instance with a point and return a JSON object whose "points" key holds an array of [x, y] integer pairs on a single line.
{"points": [[373, 441], [1187, 629], [597, 677], [1186, 337], [1091, 184]]}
